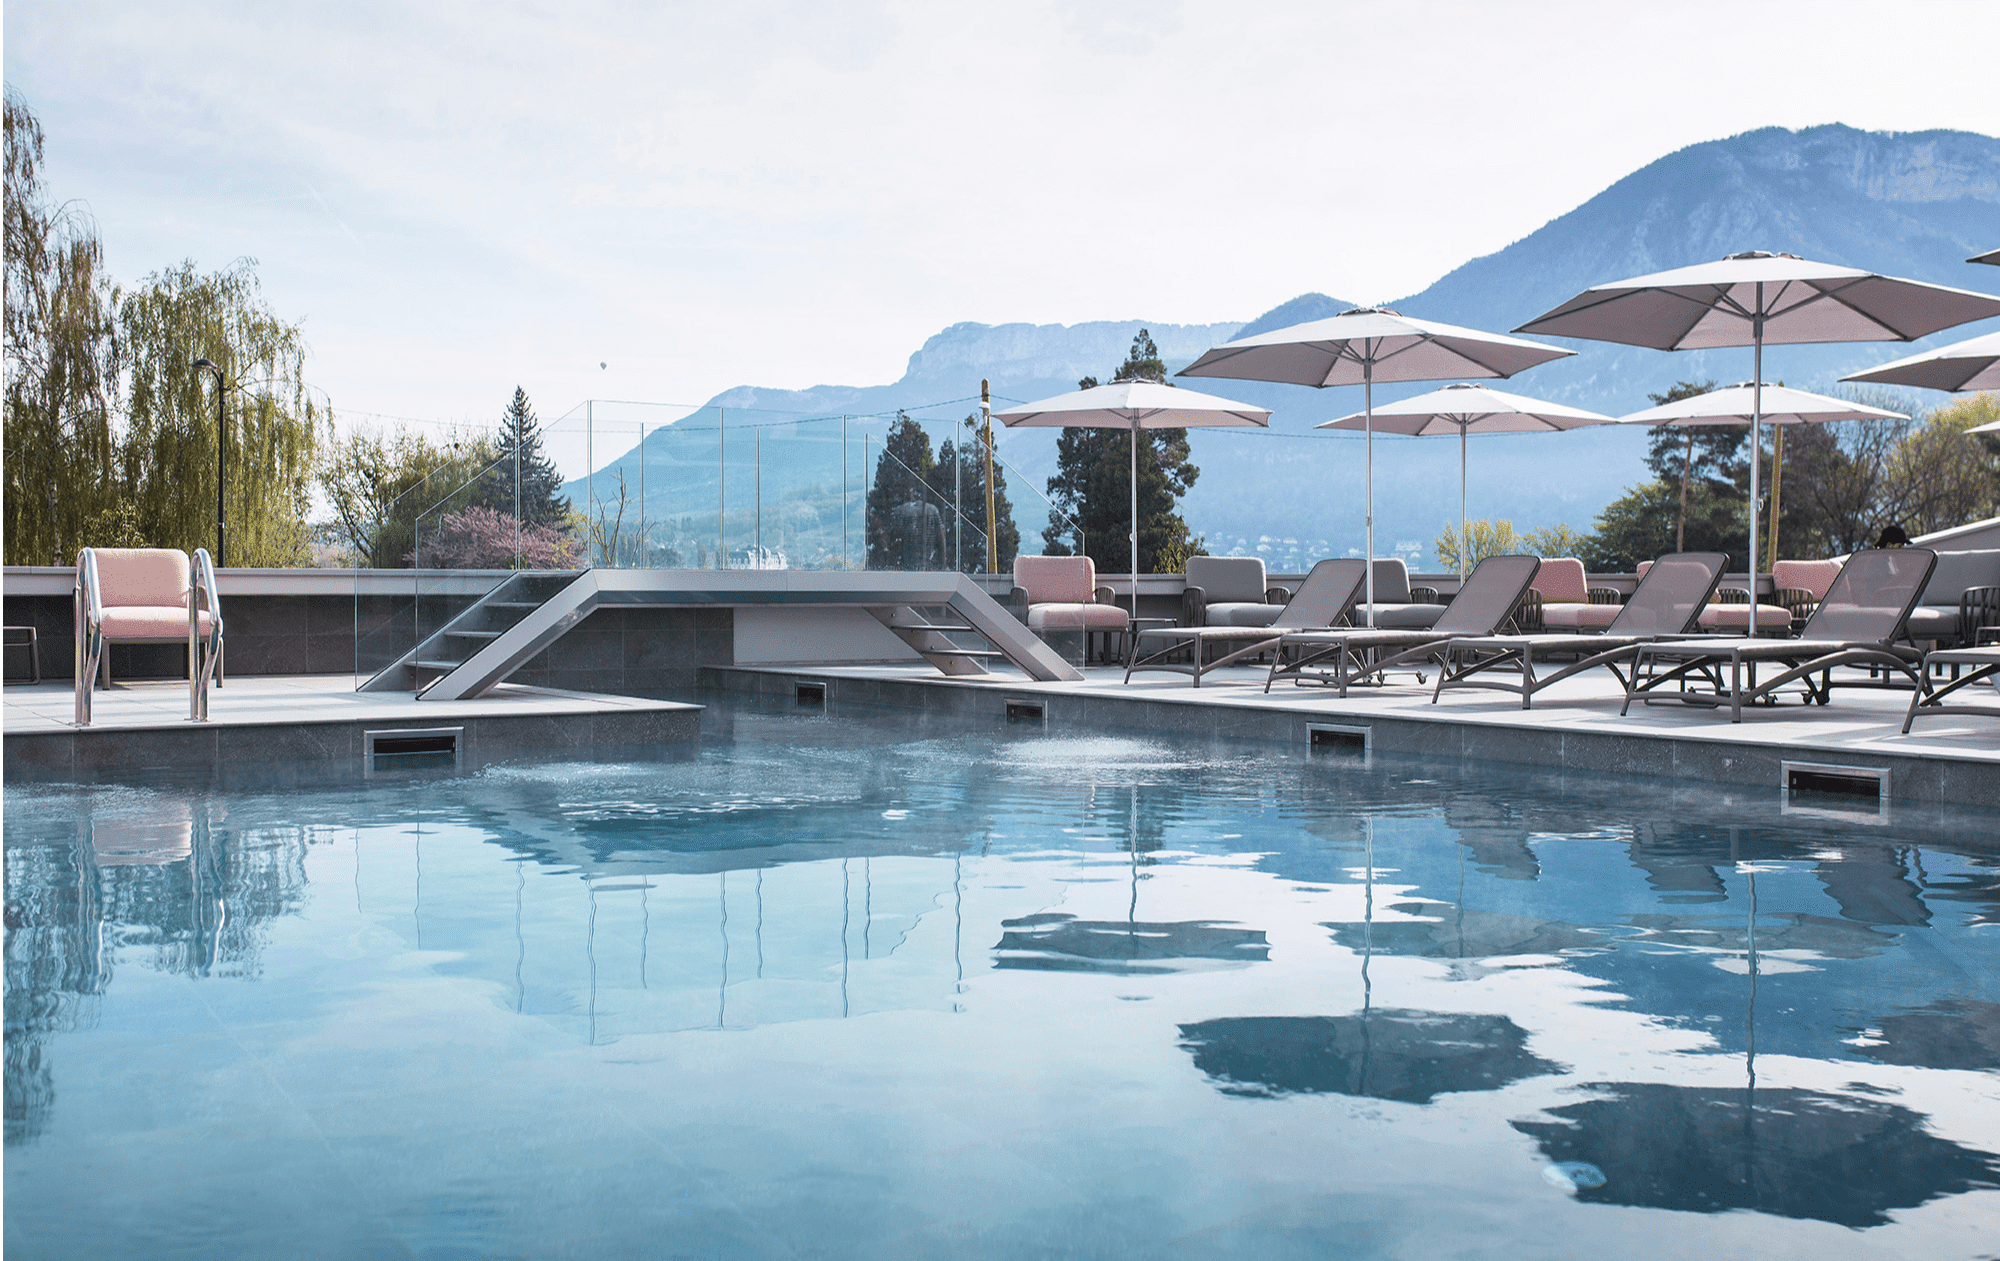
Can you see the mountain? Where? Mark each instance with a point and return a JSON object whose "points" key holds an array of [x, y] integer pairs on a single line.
{"points": [[1912, 204]]}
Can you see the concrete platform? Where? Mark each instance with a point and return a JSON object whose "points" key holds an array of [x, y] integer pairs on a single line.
{"points": [[311, 725], [1574, 725]]}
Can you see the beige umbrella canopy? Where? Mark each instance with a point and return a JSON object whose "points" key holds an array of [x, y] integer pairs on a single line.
{"points": [[1753, 298], [1750, 404], [1361, 347], [1466, 408], [1132, 406], [1959, 368]]}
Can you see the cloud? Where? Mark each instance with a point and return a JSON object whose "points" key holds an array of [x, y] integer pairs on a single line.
{"points": [[783, 194]]}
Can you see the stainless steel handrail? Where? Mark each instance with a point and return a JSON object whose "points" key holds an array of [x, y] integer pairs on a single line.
{"points": [[88, 602], [204, 661]]}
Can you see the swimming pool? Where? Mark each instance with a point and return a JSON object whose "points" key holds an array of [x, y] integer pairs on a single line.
{"points": [[878, 985]]}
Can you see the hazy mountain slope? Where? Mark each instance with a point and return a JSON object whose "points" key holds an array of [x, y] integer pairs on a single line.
{"points": [[1910, 204]]}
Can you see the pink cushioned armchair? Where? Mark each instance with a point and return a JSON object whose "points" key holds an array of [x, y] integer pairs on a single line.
{"points": [[1060, 593], [146, 595]]}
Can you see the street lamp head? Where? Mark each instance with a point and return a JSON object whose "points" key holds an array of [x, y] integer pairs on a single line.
{"points": [[203, 363]]}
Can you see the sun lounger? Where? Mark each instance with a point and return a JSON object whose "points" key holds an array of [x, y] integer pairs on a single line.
{"points": [[1985, 663], [1857, 624], [1324, 599], [1669, 599], [1488, 597]]}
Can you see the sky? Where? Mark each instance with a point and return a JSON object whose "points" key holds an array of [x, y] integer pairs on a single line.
{"points": [[661, 201]]}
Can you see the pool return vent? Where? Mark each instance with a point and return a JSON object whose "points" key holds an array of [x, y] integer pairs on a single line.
{"points": [[809, 692], [1330, 738], [409, 748], [1035, 713], [1858, 793]]}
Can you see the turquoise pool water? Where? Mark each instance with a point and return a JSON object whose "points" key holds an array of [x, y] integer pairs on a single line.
{"points": [[867, 986]]}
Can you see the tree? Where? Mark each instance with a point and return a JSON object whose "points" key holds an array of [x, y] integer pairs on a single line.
{"points": [[169, 441], [1092, 486], [946, 484], [1500, 538], [906, 524], [61, 368], [519, 449], [486, 538], [110, 429], [378, 488], [1710, 455]]}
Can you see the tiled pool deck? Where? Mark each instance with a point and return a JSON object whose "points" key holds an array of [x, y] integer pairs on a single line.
{"points": [[307, 719]]}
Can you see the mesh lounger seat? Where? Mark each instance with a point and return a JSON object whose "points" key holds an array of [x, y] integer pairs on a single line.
{"points": [[1669, 599], [1857, 624], [1488, 597], [1985, 663], [1327, 596], [1962, 596]]}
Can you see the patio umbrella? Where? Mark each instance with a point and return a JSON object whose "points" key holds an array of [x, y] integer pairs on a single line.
{"points": [[1748, 405], [1132, 406], [1959, 368], [1466, 408], [1757, 297], [1361, 347], [1990, 256]]}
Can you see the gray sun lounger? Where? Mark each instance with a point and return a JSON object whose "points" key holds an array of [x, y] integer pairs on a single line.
{"points": [[1985, 663], [1668, 602], [1489, 596], [1857, 624], [1324, 599]]}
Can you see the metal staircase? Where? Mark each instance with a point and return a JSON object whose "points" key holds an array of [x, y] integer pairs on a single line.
{"points": [[935, 631], [944, 617], [528, 611]]}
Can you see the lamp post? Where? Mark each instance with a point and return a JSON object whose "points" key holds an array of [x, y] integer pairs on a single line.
{"points": [[221, 467]]}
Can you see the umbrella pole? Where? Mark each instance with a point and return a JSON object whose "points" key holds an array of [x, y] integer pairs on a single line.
{"points": [[1368, 405], [1135, 518], [1756, 417], [1462, 541]]}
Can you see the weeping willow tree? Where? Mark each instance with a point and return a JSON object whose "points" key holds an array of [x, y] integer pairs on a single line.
{"points": [[273, 429], [62, 365], [110, 429]]}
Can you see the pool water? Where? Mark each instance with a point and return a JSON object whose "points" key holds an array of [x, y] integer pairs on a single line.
{"points": [[876, 985]]}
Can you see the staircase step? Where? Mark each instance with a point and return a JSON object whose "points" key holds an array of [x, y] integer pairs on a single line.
{"points": [[470, 634]]}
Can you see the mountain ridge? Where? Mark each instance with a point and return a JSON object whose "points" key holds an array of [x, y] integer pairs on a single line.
{"points": [[1912, 204]]}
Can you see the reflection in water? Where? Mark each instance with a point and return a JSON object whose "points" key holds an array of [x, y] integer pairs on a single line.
{"points": [[1053, 942], [832, 868], [1459, 933], [1407, 1056], [1949, 1033], [1792, 1153]]}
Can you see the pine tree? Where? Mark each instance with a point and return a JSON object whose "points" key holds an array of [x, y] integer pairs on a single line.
{"points": [[1093, 485], [946, 486], [520, 445], [900, 535]]}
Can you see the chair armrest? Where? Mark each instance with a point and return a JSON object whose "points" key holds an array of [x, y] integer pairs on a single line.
{"points": [[1978, 608], [1606, 595], [1424, 595], [1527, 617], [1277, 595], [1103, 595], [1194, 607], [1798, 600], [1017, 598]]}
